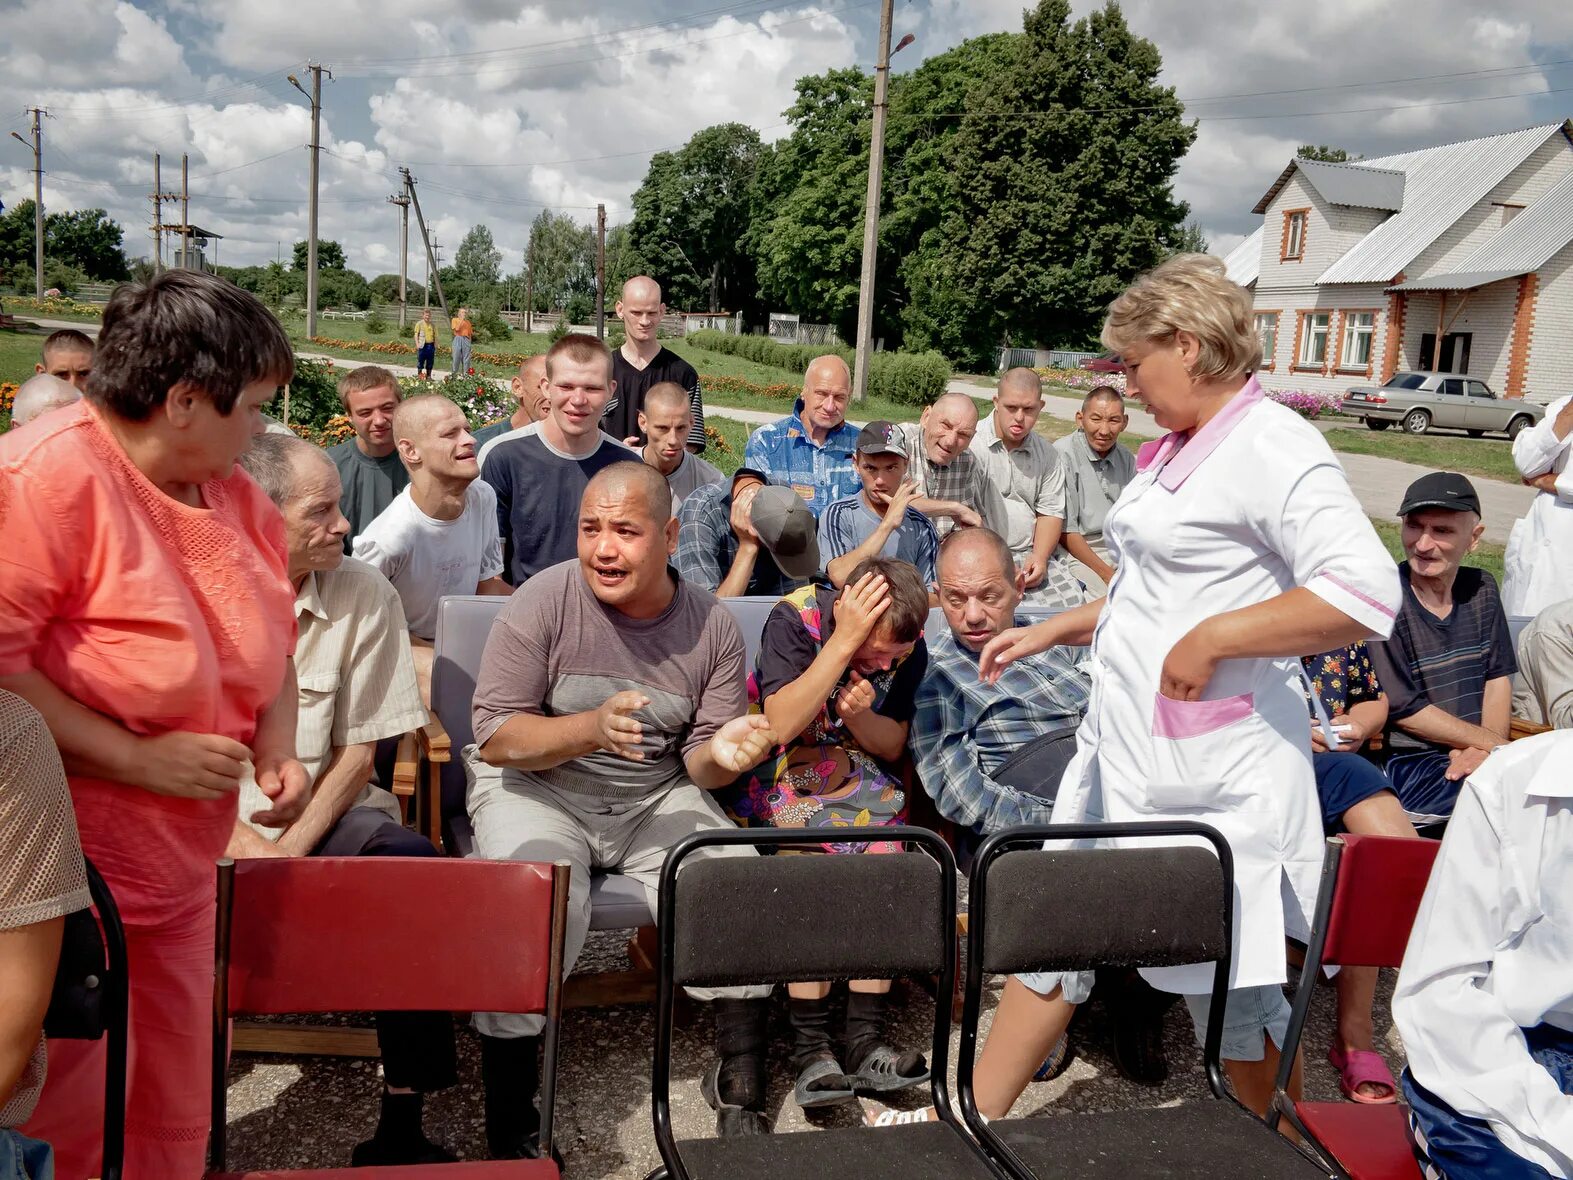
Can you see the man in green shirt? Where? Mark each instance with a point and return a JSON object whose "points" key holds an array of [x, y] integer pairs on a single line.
{"points": [[369, 466]]}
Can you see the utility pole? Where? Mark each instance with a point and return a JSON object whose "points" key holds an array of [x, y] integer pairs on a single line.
{"points": [[403, 202], [158, 219], [311, 229], [529, 287], [185, 216], [38, 197], [431, 262], [600, 272], [876, 167]]}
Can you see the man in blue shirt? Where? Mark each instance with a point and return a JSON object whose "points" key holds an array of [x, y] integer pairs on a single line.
{"points": [[810, 451], [879, 521]]}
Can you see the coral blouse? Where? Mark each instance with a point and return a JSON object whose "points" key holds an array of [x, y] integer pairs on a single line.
{"points": [[156, 614]]}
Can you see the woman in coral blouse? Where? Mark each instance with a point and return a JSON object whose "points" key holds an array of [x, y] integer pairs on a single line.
{"points": [[145, 612]]}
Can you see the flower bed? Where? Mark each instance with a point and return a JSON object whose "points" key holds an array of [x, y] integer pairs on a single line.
{"points": [[1306, 403], [59, 305], [1082, 379]]}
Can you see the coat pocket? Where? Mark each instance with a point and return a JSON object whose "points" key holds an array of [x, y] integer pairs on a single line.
{"points": [[1190, 741]]}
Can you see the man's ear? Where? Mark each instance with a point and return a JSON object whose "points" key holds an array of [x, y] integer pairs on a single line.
{"points": [[407, 451], [644, 424], [1021, 581], [1078, 418], [671, 536], [1476, 535], [38, 369]]}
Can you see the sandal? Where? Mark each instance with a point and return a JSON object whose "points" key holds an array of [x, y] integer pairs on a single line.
{"points": [[1363, 1067], [881, 1070], [819, 1069]]}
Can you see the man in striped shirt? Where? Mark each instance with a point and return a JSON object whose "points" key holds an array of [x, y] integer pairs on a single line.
{"points": [[1448, 667]]}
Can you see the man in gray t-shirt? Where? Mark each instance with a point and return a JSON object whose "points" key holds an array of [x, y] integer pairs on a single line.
{"points": [[611, 700]]}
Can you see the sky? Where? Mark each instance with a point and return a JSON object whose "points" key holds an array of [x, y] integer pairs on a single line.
{"points": [[502, 108]]}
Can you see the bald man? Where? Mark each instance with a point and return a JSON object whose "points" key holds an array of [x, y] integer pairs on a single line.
{"points": [[38, 395], [529, 393], [953, 485], [439, 536], [610, 703], [665, 422], [811, 450], [644, 362]]}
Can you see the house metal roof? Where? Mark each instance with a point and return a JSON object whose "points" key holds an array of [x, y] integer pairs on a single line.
{"points": [[1244, 262], [1440, 185], [1462, 280], [1359, 185]]}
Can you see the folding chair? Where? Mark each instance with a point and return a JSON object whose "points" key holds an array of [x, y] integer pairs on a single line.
{"points": [[334, 934], [800, 929], [1368, 1142], [1075, 909], [91, 1000]]}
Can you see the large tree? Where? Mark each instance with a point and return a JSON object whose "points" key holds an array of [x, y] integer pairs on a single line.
{"points": [[1325, 153], [691, 213], [1064, 162], [88, 240], [563, 254], [478, 259], [330, 255]]}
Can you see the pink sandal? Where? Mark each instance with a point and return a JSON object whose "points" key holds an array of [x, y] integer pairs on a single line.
{"points": [[1363, 1067]]}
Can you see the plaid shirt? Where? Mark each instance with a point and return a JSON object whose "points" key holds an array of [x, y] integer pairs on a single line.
{"points": [[964, 479], [785, 455], [707, 546], [964, 730]]}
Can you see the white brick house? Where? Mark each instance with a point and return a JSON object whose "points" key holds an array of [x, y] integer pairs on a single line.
{"points": [[1457, 258]]}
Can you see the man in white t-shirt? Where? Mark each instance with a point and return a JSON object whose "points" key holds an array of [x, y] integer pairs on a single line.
{"points": [[666, 420], [439, 536]]}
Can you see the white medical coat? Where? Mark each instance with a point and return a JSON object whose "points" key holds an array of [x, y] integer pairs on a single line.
{"points": [[1538, 568], [1251, 505]]}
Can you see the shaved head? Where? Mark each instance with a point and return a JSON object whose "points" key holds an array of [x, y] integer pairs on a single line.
{"points": [[1022, 380], [40, 394], [641, 289], [635, 479], [415, 417], [964, 547], [666, 397], [827, 369], [956, 403]]}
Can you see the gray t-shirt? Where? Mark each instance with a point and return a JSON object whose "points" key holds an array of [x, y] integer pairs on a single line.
{"points": [[556, 650], [369, 485]]}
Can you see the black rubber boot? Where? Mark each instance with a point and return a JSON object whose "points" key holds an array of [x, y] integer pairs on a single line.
{"points": [[735, 1086], [820, 1079], [510, 1076], [399, 1138], [872, 1064]]}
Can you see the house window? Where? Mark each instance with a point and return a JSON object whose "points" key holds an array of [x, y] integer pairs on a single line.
{"points": [[1294, 235], [1359, 329], [1313, 340], [1267, 330]]}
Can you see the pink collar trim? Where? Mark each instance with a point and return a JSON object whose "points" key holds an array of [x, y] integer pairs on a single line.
{"points": [[1177, 455]]}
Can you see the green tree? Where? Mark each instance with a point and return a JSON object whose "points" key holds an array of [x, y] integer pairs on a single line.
{"points": [[623, 262], [88, 239], [1321, 151], [1065, 162], [478, 259], [385, 288], [1190, 240], [330, 255], [564, 257], [690, 216]]}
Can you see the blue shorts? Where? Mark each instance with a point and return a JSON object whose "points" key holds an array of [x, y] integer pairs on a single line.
{"points": [[1419, 779], [1455, 1145], [1075, 986], [1248, 1014], [22, 1158], [1342, 780]]}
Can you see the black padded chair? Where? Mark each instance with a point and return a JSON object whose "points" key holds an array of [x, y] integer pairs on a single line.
{"points": [[90, 999], [1076, 909], [904, 924]]}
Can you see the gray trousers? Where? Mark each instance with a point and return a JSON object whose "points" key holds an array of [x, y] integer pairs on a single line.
{"points": [[516, 819]]}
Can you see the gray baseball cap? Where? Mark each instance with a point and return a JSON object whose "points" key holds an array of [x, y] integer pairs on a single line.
{"points": [[786, 527]]}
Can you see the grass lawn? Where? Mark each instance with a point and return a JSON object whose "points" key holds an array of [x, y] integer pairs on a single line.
{"points": [[19, 352], [1488, 557], [734, 435], [1490, 458]]}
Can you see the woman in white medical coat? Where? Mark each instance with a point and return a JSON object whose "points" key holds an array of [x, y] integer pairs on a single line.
{"points": [[1238, 548]]}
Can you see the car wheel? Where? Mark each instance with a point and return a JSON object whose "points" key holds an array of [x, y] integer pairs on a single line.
{"points": [[1377, 423], [1475, 433], [1519, 425], [1417, 422]]}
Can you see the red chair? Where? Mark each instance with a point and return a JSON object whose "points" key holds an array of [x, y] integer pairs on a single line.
{"points": [[1371, 890], [335, 934]]}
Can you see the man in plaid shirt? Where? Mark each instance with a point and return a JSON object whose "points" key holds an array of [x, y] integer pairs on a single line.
{"points": [[953, 485], [965, 730]]}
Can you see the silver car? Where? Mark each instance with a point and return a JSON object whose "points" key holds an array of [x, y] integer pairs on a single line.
{"points": [[1419, 400]]}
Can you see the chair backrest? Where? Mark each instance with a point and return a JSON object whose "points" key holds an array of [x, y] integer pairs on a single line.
{"points": [[1516, 625], [335, 934], [751, 611], [1380, 881], [463, 624]]}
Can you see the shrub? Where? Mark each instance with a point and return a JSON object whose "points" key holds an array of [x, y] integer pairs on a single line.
{"points": [[375, 324], [615, 335], [559, 329], [313, 396], [909, 379]]}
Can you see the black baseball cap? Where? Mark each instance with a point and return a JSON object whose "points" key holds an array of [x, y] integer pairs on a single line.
{"points": [[877, 439], [1441, 489]]}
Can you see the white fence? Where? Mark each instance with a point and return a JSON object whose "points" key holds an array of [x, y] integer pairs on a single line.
{"points": [[1042, 358]]}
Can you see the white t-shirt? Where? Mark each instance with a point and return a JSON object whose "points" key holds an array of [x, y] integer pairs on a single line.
{"points": [[692, 474], [426, 559]]}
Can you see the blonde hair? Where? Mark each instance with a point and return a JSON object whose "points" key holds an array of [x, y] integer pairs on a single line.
{"points": [[1189, 293]]}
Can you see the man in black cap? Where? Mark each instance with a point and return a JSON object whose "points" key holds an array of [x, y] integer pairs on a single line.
{"points": [[879, 521], [745, 537], [1448, 667]]}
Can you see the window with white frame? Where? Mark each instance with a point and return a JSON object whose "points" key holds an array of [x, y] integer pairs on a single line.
{"points": [[1359, 328], [1313, 340], [1267, 330], [1294, 233]]}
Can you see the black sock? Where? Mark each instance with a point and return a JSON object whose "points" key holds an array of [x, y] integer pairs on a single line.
{"points": [[510, 1076], [400, 1120], [811, 1037], [866, 1016], [740, 1033]]}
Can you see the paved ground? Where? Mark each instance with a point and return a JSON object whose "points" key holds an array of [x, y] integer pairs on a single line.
{"points": [[309, 1112]]}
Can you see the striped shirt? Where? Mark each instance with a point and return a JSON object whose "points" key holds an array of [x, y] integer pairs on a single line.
{"points": [[1443, 662], [965, 730], [784, 454], [847, 523]]}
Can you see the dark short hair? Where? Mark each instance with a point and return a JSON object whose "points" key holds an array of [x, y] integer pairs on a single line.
{"points": [[909, 597], [1103, 393], [364, 378], [190, 328], [66, 340]]}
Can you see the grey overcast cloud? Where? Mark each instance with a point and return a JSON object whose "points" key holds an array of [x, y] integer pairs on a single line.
{"points": [[502, 108]]}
